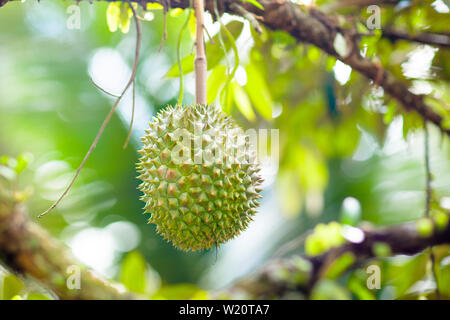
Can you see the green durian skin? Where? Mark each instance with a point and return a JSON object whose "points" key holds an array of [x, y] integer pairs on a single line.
{"points": [[197, 205]]}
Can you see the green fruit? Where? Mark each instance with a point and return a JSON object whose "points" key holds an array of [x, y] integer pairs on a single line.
{"points": [[199, 177]]}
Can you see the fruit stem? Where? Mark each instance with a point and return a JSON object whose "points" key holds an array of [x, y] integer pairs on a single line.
{"points": [[200, 58]]}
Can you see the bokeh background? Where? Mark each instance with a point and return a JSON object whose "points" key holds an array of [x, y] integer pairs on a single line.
{"points": [[346, 153]]}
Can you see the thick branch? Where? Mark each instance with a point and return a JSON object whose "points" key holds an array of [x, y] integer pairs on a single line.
{"points": [[320, 30], [281, 278], [26, 248]]}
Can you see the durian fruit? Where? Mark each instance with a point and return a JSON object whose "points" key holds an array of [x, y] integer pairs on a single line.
{"points": [[199, 177]]}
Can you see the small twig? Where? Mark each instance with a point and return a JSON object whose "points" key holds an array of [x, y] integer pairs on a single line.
{"points": [[164, 37], [302, 273], [108, 117], [247, 15], [130, 130], [230, 77], [434, 39], [222, 45], [103, 89], [211, 40]]}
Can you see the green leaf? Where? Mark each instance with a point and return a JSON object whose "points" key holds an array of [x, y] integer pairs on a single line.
{"points": [[215, 82], [154, 6], [425, 227], [12, 287], [340, 265], [37, 296], [445, 124], [258, 91], [381, 249], [444, 278], [133, 274], [441, 219], [255, 3], [226, 98], [411, 121], [214, 52], [192, 24], [404, 272], [187, 65], [329, 290], [4, 160], [176, 12], [330, 63], [118, 15], [113, 16], [23, 161], [358, 287], [390, 113], [182, 291], [324, 237], [242, 101], [125, 16]]}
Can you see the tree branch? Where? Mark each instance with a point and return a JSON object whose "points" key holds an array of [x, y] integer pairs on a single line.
{"points": [[361, 3], [299, 274], [314, 27], [435, 39], [27, 249]]}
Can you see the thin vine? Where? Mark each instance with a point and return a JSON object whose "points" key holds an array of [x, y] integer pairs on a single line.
{"points": [[164, 36], [235, 51], [130, 129], [108, 117]]}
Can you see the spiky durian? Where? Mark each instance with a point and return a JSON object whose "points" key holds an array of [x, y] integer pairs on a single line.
{"points": [[199, 176]]}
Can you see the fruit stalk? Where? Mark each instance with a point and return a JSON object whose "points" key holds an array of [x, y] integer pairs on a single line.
{"points": [[200, 58]]}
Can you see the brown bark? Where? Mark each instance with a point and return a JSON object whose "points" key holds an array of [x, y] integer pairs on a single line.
{"points": [[27, 249], [314, 27], [300, 274], [434, 39]]}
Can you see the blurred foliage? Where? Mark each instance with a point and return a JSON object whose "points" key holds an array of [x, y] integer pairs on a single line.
{"points": [[347, 151], [324, 237]]}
